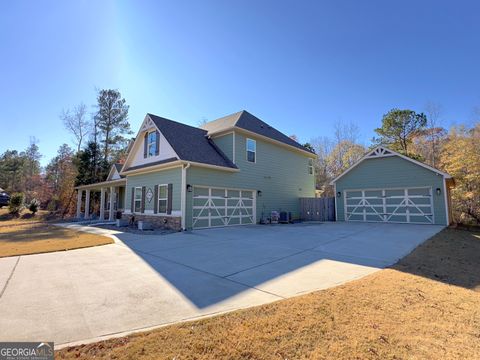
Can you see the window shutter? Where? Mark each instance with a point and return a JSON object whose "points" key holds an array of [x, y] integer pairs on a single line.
{"points": [[157, 142], [133, 200], [169, 199], [143, 199], [145, 145], [155, 198]]}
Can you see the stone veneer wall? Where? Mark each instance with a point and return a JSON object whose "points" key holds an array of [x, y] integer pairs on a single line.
{"points": [[172, 222]]}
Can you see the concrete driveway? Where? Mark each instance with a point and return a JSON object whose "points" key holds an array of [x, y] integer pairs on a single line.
{"points": [[147, 281]]}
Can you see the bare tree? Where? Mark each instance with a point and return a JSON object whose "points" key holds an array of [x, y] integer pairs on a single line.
{"points": [[434, 113], [323, 147], [75, 121], [346, 131], [202, 122]]}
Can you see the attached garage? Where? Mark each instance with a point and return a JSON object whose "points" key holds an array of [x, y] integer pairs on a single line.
{"points": [[385, 186], [213, 207]]}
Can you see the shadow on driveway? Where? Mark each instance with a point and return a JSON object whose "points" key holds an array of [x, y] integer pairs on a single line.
{"points": [[214, 265]]}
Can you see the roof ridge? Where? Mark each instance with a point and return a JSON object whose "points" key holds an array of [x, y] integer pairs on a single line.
{"points": [[176, 122]]}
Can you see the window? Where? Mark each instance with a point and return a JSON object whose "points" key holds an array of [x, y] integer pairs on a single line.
{"points": [[310, 167], [151, 143], [162, 198], [251, 150], [138, 200]]}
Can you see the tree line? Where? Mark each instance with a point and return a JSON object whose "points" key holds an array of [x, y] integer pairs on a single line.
{"points": [[99, 140]]}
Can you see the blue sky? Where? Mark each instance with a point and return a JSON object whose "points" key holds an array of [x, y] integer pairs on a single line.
{"points": [[301, 66]]}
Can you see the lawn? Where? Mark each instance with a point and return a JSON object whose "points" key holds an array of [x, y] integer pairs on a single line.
{"points": [[34, 234], [426, 306]]}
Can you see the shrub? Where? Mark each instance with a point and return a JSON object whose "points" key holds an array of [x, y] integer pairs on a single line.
{"points": [[53, 204], [34, 206], [16, 203]]}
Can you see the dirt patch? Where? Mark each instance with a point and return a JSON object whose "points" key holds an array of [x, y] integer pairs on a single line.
{"points": [[398, 313]]}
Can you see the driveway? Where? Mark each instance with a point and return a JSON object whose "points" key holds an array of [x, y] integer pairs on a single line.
{"points": [[144, 281]]}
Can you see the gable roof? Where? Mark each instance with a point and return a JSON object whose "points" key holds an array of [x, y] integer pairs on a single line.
{"points": [[191, 143], [381, 152], [244, 120], [118, 166], [115, 167]]}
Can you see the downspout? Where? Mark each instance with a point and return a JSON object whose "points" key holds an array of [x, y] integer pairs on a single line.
{"points": [[183, 204]]}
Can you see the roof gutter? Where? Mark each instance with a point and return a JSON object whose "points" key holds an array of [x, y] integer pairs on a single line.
{"points": [[208, 166], [146, 169]]}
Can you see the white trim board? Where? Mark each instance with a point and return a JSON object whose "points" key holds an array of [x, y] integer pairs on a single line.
{"points": [[382, 151]]}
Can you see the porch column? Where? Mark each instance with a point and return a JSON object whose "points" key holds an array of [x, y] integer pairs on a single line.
{"points": [[112, 197], [87, 204], [102, 203], [79, 203]]}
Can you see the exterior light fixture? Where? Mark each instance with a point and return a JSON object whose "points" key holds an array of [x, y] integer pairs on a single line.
{"points": [[259, 193], [189, 188], [439, 191], [339, 194]]}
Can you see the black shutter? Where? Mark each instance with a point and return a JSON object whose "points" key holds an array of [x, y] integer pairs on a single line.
{"points": [[143, 199], [155, 199], [133, 200], [145, 145], [157, 143], [169, 199]]}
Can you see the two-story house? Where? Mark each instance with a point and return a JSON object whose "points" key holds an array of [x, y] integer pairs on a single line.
{"points": [[234, 170]]}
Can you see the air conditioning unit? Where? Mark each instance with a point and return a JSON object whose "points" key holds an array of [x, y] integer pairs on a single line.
{"points": [[285, 217]]}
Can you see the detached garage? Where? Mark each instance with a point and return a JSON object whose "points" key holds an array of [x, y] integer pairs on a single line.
{"points": [[385, 186]]}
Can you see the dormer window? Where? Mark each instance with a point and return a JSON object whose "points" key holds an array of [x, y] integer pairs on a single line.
{"points": [[151, 144], [251, 150]]}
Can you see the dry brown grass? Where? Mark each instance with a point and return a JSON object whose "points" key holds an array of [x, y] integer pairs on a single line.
{"points": [[425, 307], [25, 217], [32, 235]]}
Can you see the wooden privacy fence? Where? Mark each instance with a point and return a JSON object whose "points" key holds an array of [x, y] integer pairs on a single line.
{"points": [[317, 209]]}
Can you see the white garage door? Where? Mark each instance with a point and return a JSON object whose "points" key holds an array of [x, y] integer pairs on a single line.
{"points": [[222, 207], [405, 205]]}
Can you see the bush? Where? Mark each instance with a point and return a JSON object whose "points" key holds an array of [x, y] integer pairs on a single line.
{"points": [[53, 204], [16, 203], [34, 206]]}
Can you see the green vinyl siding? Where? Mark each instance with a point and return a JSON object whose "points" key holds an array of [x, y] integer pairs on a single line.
{"points": [[149, 180], [225, 143], [279, 173], [392, 172]]}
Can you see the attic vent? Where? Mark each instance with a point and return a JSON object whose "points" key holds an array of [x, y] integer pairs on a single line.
{"points": [[380, 152]]}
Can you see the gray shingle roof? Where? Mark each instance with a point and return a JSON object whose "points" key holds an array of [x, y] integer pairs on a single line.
{"points": [[118, 167], [191, 143], [165, 161], [244, 120]]}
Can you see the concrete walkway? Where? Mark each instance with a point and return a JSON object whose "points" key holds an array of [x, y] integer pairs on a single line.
{"points": [[144, 281]]}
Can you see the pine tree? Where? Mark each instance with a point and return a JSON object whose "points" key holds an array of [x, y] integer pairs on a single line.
{"points": [[111, 122]]}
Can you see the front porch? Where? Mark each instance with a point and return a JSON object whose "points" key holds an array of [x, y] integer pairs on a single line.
{"points": [[112, 199]]}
